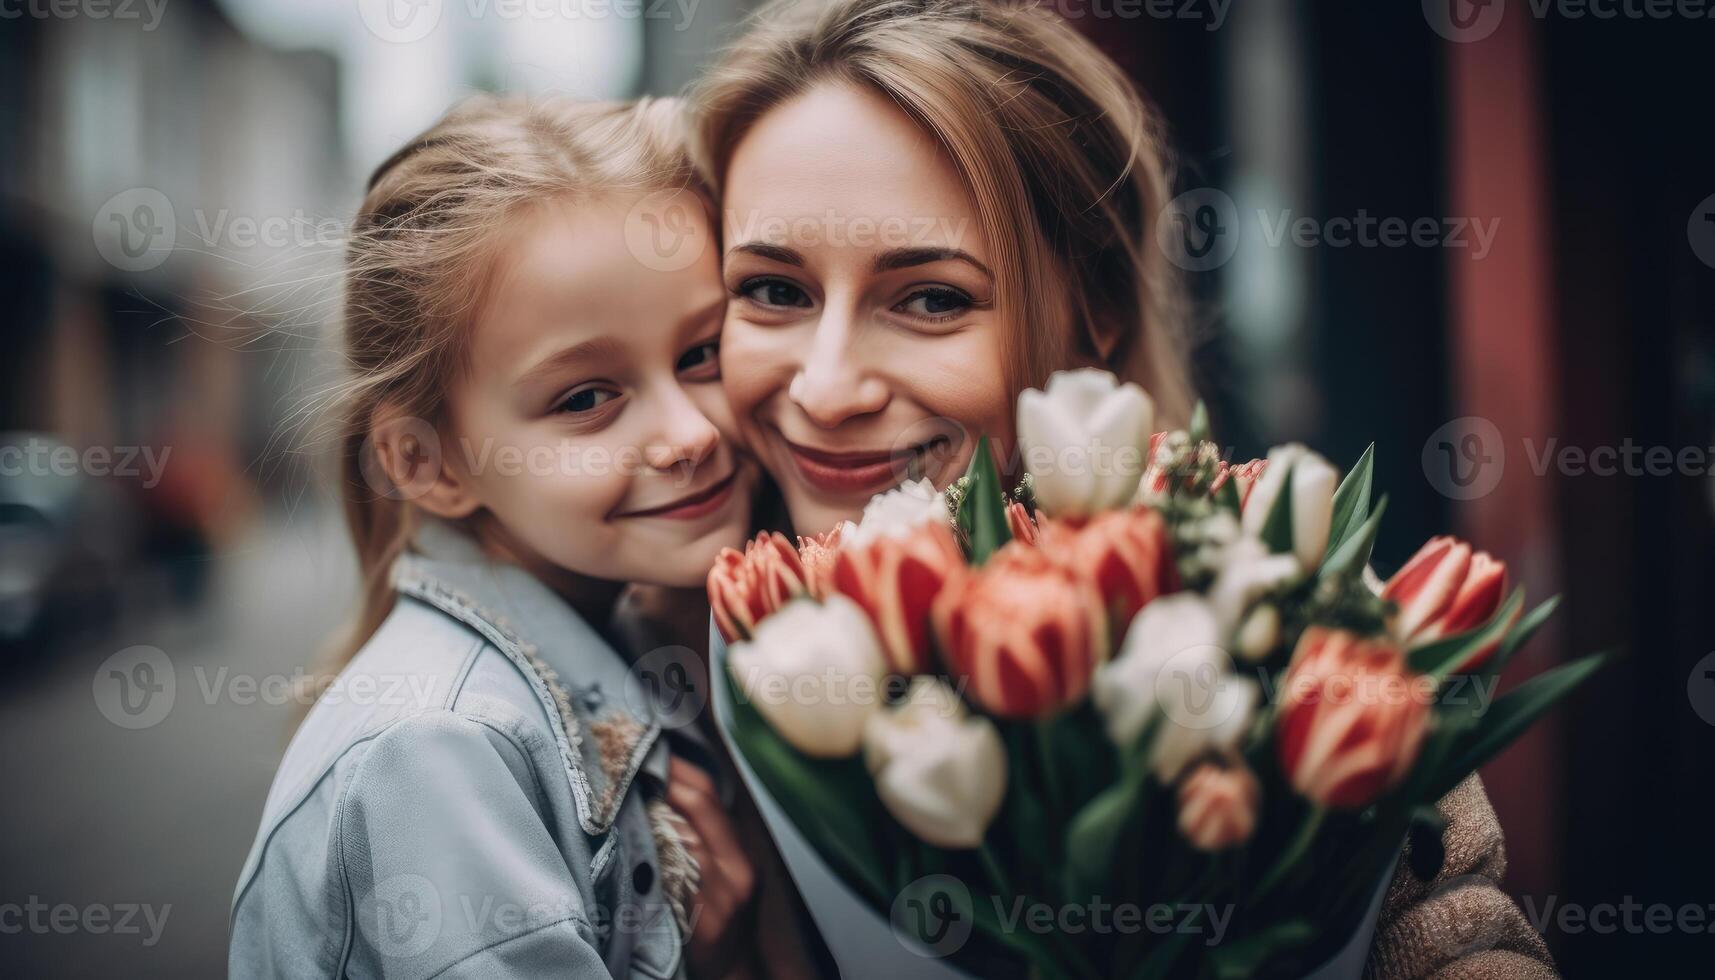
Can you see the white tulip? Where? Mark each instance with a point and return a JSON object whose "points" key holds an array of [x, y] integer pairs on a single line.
{"points": [[814, 671], [1084, 441], [898, 512], [938, 769], [1247, 573], [1312, 506], [1178, 629], [1204, 710]]}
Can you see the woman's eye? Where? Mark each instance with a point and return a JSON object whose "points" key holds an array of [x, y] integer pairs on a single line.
{"points": [[587, 400], [773, 292], [935, 303], [701, 358]]}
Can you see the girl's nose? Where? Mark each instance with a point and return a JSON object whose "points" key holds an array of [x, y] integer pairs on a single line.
{"points": [[834, 383], [687, 436]]}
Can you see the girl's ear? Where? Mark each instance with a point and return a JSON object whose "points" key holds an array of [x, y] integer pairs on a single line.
{"points": [[409, 452]]}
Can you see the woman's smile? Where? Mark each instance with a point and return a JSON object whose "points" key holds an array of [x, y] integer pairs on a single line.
{"points": [[859, 472]]}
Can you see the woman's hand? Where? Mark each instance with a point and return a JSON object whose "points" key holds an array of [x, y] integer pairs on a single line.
{"points": [[722, 916]]}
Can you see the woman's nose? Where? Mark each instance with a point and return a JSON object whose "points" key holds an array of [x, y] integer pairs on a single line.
{"points": [[834, 383], [687, 437]]}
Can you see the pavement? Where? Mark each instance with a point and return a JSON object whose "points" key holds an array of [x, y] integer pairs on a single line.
{"points": [[133, 768]]}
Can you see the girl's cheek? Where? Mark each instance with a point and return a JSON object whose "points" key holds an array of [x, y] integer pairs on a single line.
{"points": [[755, 363]]}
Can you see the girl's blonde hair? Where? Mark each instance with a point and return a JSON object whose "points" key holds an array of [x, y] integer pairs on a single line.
{"points": [[420, 255], [1063, 159]]}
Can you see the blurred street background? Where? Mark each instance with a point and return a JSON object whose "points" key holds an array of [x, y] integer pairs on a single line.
{"points": [[1481, 236]]}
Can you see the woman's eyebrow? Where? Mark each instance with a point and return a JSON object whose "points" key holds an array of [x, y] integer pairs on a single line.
{"points": [[904, 258], [767, 251]]}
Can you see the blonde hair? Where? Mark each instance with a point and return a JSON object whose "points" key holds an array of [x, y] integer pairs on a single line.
{"points": [[420, 255], [1062, 157]]}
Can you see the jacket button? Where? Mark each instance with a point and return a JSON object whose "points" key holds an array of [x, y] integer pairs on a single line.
{"points": [[642, 878]]}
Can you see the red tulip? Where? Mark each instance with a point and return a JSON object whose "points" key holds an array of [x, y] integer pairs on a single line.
{"points": [[1020, 523], [1351, 720], [1444, 590], [1023, 631], [1243, 475], [895, 578], [1126, 554], [817, 553], [743, 588], [1218, 806]]}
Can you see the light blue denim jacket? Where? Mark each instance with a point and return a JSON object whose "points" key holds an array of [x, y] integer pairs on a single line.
{"points": [[472, 798]]}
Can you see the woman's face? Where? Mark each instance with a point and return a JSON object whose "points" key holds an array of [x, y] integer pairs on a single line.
{"points": [[862, 345]]}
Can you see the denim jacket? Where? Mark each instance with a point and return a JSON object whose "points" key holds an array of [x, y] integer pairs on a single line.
{"points": [[473, 797]]}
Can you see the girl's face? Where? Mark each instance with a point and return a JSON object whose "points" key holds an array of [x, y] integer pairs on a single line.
{"points": [[862, 344], [591, 423]]}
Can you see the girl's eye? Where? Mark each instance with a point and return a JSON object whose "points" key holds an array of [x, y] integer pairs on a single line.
{"points": [[768, 291], [935, 303], [587, 400], [703, 359]]}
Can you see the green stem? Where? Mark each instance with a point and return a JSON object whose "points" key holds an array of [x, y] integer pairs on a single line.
{"points": [[1050, 778], [1294, 851], [1073, 962]]}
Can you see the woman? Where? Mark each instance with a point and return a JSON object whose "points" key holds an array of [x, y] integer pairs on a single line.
{"points": [[928, 205]]}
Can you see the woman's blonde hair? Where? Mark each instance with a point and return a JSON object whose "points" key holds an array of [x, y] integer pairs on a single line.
{"points": [[1062, 157], [420, 256]]}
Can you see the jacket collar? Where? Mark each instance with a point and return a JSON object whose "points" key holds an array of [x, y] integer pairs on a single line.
{"points": [[580, 679]]}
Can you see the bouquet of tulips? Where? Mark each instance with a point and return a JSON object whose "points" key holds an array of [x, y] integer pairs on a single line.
{"points": [[1145, 678]]}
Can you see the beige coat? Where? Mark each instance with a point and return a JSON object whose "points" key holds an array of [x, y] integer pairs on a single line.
{"points": [[1460, 926]]}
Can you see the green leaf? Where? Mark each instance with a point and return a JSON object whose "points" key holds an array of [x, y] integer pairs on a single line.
{"points": [[1522, 633], [1199, 427], [1354, 554], [1159, 963], [831, 802], [1463, 715], [1352, 500], [1094, 835], [1507, 719], [1246, 957], [983, 510], [1444, 656], [1228, 497], [1277, 527]]}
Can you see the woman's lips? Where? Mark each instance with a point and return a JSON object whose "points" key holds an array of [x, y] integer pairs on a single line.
{"points": [[851, 473], [699, 504]]}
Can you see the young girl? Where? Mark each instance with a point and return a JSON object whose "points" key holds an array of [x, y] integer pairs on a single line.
{"points": [[533, 314]]}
